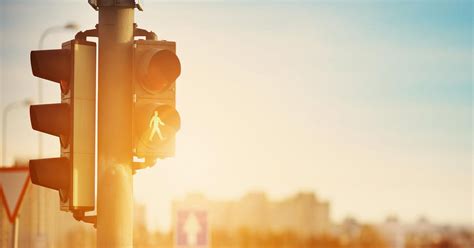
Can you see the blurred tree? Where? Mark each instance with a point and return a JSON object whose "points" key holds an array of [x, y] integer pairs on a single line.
{"points": [[370, 238]]}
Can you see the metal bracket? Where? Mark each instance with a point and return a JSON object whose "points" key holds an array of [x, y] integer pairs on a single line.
{"points": [[80, 216], [138, 164], [82, 35], [95, 4], [149, 35]]}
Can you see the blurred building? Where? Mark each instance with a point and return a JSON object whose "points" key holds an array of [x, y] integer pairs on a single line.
{"points": [[302, 213], [393, 232], [348, 231], [140, 229], [423, 234]]}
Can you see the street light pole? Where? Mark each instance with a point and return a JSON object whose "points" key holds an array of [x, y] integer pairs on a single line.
{"points": [[6, 110]]}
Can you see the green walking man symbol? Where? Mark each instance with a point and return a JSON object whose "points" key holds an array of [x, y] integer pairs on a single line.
{"points": [[155, 123]]}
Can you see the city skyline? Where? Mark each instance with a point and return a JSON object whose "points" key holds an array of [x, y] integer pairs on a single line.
{"points": [[367, 104]]}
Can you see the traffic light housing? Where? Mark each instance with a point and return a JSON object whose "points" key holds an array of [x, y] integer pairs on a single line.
{"points": [[72, 120], [155, 119]]}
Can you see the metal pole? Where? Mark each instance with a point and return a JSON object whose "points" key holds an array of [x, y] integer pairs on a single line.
{"points": [[4, 130], [115, 184], [16, 226], [6, 110], [4, 136]]}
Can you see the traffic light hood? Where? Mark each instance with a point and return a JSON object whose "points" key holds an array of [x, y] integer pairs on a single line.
{"points": [[52, 119], [52, 173], [54, 65]]}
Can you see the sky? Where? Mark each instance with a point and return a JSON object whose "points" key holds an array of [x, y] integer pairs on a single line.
{"points": [[366, 103]]}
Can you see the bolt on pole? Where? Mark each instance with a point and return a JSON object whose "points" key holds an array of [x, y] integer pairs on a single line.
{"points": [[115, 182]]}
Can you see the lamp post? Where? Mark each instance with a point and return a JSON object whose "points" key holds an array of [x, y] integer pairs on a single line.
{"points": [[6, 110]]}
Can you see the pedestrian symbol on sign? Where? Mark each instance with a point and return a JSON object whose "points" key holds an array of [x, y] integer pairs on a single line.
{"points": [[192, 228]]}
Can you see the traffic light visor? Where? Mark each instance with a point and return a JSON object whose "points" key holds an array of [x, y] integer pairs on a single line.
{"points": [[54, 65], [52, 119], [52, 173]]}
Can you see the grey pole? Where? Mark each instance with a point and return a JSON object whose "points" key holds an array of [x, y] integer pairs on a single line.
{"points": [[114, 173], [7, 110], [16, 227]]}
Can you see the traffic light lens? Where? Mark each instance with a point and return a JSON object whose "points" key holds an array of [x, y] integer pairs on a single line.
{"points": [[169, 115], [164, 68], [157, 126]]}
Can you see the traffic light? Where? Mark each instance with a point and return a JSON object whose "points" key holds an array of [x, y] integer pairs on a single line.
{"points": [[72, 120], [156, 120]]}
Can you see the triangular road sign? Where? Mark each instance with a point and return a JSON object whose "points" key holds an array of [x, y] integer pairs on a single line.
{"points": [[13, 184]]}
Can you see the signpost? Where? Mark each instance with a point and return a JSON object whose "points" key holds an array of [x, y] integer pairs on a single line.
{"points": [[13, 184], [192, 228]]}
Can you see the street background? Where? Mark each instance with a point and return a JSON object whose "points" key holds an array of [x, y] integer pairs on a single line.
{"points": [[366, 104]]}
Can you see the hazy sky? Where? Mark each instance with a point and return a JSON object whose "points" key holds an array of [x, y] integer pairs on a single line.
{"points": [[367, 103]]}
